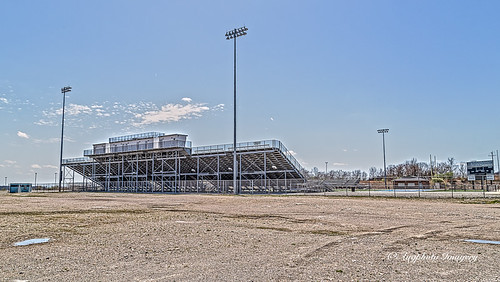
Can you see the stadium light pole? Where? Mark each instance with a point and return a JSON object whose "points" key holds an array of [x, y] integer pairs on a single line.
{"points": [[326, 169], [63, 91], [384, 131], [233, 34]]}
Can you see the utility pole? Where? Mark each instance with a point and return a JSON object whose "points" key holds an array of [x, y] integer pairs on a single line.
{"points": [[493, 162], [498, 163], [430, 162]]}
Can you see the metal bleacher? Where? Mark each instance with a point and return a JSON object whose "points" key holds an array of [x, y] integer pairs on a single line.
{"points": [[264, 167]]}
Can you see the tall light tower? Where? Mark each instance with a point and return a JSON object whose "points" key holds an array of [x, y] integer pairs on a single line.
{"points": [[63, 91], [233, 34], [384, 131], [326, 169]]}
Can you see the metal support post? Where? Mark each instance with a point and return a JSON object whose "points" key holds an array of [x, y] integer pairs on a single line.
{"points": [[63, 91], [265, 172], [233, 35]]}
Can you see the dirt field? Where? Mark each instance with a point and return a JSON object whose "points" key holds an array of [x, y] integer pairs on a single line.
{"points": [[124, 237]]}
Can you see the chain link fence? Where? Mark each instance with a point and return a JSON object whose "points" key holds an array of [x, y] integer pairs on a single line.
{"points": [[350, 188], [374, 189]]}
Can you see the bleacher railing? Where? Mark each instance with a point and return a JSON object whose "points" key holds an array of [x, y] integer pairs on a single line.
{"points": [[136, 136], [138, 147], [243, 146], [77, 160], [249, 146]]}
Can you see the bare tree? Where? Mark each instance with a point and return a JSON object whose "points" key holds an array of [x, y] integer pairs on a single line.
{"points": [[452, 164], [423, 169], [373, 172], [462, 170]]}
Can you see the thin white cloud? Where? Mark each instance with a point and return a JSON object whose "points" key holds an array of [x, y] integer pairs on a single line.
{"points": [[10, 162], [48, 141], [50, 166], [37, 166], [70, 110], [4, 100], [339, 164], [108, 114], [45, 122], [272, 119], [219, 107], [171, 113], [23, 135], [75, 109]]}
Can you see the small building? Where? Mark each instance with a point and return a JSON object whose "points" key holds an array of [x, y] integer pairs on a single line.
{"points": [[20, 187], [410, 182]]}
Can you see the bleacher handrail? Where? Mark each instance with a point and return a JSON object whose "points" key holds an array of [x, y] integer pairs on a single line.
{"points": [[247, 146], [213, 149], [77, 160], [122, 148]]}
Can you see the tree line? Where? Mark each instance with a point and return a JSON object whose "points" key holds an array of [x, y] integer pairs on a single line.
{"points": [[448, 169]]}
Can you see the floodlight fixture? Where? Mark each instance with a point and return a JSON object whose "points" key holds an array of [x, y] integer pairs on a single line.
{"points": [[233, 34], [237, 32], [385, 130], [64, 90]]}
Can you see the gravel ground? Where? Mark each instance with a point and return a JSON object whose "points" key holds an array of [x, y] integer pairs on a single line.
{"points": [[146, 237]]}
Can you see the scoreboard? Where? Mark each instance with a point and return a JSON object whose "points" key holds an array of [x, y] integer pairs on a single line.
{"points": [[480, 170]]}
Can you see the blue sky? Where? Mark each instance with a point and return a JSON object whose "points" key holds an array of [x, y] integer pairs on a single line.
{"points": [[321, 76]]}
